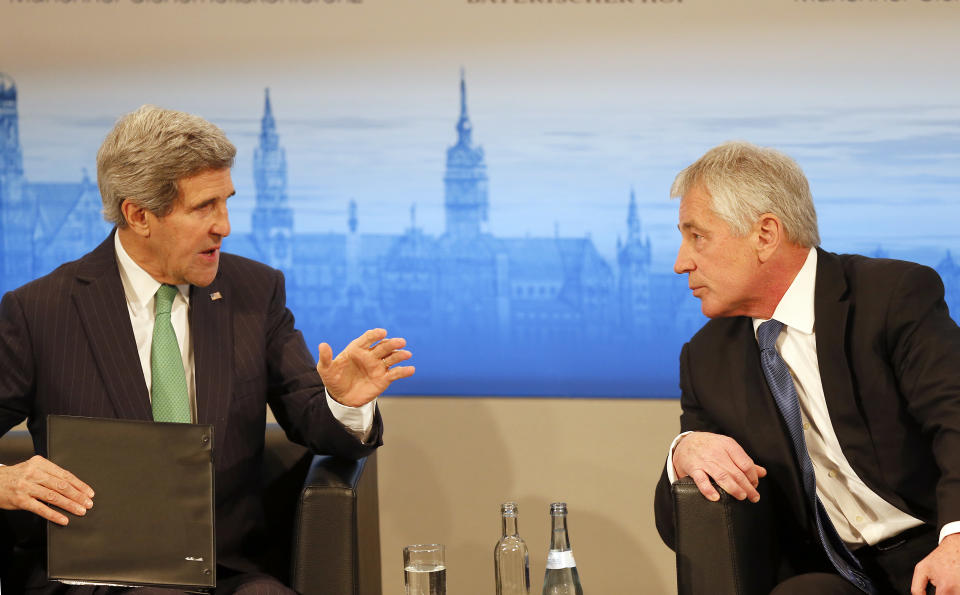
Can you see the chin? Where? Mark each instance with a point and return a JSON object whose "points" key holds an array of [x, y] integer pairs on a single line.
{"points": [[202, 280], [710, 311]]}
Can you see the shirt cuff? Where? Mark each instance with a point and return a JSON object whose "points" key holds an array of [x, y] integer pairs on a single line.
{"points": [[949, 529], [357, 420], [671, 473]]}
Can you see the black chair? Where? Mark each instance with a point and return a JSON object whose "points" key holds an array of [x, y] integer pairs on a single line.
{"points": [[724, 547], [329, 542]]}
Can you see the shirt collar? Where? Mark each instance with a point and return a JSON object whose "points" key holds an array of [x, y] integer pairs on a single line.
{"points": [[796, 306], [138, 285]]}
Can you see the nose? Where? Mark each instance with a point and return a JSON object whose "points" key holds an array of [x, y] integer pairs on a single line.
{"points": [[683, 263], [221, 224]]}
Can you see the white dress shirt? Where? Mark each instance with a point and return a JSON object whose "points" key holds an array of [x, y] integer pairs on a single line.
{"points": [[860, 516], [140, 289]]}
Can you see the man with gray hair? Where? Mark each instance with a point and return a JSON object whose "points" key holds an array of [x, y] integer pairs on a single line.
{"points": [[836, 377], [157, 324]]}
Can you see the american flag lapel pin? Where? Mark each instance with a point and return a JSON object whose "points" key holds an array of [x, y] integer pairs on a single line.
{"points": [[215, 296]]}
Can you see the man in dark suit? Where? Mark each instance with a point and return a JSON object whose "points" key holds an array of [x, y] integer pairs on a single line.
{"points": [[847, 401], [90, 339]]}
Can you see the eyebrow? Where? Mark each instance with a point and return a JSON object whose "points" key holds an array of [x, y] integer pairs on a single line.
{"points": [[207, 201]]}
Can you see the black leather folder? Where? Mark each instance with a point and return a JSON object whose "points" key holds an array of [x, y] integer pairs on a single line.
{"points": [[152, 518]]}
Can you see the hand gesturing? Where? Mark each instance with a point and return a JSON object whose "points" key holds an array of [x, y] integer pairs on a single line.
{"points": [[365, 368]]}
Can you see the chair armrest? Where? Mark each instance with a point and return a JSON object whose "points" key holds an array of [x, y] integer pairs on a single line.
{"points": [[15, 447], [336, 543], [724, 547]]}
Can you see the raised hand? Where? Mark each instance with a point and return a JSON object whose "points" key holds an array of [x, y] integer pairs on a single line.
{"points": [[365, 368]]}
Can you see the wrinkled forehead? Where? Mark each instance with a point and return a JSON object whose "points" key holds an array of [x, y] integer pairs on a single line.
{"points": [[695, 204]]}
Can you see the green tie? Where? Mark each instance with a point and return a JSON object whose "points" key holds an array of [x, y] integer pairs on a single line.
{"points": [[169, 390]]}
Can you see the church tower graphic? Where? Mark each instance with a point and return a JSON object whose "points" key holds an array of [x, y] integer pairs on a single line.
{"points": [[633, 258], [474, 272], [17, 209], [272, 216], [465, 181]]}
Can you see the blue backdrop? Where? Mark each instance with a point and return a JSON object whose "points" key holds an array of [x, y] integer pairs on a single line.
{"points": [[485, 312]]}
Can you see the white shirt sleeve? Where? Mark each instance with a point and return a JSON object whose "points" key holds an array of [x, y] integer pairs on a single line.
{"points": [[949, 529], [671, 472], [357, 420]]}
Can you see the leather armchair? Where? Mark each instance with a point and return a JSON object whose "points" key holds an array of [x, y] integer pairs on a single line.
{"points": [[725, 547], [323, 531]]}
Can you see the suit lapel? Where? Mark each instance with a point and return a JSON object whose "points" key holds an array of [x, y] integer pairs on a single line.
{"points": [[831, 312], [102, 310], [212, 335]]}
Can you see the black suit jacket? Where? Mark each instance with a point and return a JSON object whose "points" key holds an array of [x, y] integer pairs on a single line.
{"points": [[67, 347], [889, 357]]}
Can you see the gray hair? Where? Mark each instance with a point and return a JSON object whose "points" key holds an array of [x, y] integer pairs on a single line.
{"points": [[149, 151], [745, 181]]}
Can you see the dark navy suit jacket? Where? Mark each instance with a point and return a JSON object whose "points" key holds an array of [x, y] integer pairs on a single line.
{"points": [[67, 347], [889, 357]]}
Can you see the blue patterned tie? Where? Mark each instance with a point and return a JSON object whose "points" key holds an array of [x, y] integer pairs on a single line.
{"points": [[168, 389], [785, 394]]}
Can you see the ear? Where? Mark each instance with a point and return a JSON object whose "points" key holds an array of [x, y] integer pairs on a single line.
{"points": [[768, 233], [138, 218]]}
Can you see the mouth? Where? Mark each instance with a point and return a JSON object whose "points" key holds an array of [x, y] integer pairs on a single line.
{"points": [[211, 255]]}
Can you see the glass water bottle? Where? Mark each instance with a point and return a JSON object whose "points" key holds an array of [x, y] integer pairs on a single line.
{"points": [[511, 561], [561, 577]]}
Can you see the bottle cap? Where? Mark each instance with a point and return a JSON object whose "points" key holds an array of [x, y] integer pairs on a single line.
{"points": [[558, 508]]}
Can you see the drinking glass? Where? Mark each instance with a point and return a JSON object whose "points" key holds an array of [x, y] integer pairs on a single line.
{"points": [[424, 569]]}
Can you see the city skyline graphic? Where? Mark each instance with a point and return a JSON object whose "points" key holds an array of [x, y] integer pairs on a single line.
{"points": [[484, 313]]}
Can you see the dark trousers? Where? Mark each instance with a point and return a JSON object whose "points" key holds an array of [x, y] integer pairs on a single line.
{"points": [[889, 564]]}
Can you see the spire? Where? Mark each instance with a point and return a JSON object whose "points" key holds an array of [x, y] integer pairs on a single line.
{"points": [[465, 179], [8, 88], [268, 126], [352, 222], [463, 95], [463, 124], [413, 217], [633, 220], [269, 160], [272, 216], [11, 155], [947, 265]]}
